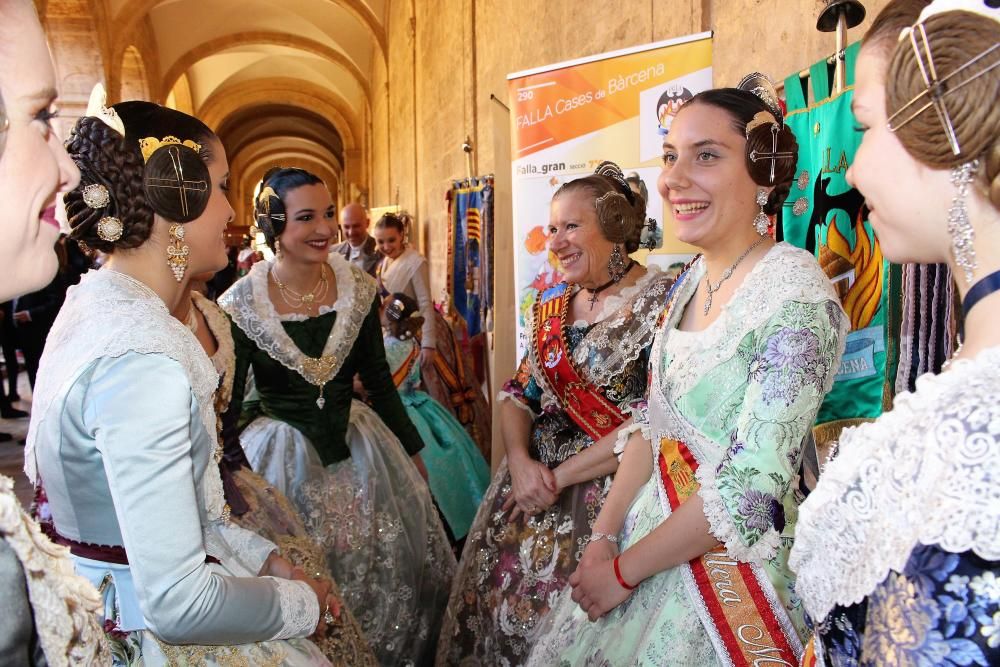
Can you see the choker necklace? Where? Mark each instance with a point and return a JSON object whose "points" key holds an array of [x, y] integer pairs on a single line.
{"points": [[597, 290], [712, 289], [296, 300], [982, 289]]}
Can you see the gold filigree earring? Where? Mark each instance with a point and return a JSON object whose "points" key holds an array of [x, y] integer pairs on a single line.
{"points": [[177, 251]]}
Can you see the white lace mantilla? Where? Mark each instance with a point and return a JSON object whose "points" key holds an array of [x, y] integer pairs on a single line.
{"points": [[609, 346], [65, 605], [927, 472], [248, 303], [108, 315], [784, 274]]}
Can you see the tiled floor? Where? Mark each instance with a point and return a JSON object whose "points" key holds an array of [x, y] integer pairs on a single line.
{"points": [[12, 452]]}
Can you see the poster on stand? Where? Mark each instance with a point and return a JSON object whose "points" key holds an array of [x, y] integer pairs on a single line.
{"points": [[569, 117]]}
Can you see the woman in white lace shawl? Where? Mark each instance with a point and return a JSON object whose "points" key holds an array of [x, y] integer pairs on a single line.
{"points": [[898, 547], [122, 432], [688, 562]]}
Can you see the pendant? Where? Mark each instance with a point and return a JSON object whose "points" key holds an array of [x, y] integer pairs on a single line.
{"points": [[593, 299], [320, 402], [708, 302]]}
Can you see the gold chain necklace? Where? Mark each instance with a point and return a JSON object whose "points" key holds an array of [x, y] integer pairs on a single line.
{"points": [[298, 301]]}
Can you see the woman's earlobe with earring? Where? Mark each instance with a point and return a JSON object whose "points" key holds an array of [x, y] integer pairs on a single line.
{"points": [[762, 223]]}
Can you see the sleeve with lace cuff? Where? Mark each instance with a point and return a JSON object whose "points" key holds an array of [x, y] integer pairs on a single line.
{"points": [[792, 359], [299, 608]]}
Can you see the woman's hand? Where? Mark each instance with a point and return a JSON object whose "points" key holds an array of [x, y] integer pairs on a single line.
{"points": [[359, 388], [329, 605], [596, 588], [598, 551], [533, 487]]}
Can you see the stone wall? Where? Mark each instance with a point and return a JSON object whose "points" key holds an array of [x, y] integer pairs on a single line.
{"points": [[448, 57]]}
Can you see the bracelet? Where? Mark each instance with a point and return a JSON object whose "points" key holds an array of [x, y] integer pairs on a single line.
{"points": [[621, 579], [594, 537]]}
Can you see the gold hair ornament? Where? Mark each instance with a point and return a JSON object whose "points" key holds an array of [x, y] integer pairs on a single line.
{"points": [[179, 183], [96, 196], [149, 145], [110, 228]]}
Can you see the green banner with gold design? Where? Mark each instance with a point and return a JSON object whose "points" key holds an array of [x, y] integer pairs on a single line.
{"points": [[828, 217]]}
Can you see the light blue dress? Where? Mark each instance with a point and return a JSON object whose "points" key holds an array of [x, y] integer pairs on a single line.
{"points": [[458, 474], [123, 438]]}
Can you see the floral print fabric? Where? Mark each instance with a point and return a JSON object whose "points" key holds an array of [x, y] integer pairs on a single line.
{"points": [[943, 609]]}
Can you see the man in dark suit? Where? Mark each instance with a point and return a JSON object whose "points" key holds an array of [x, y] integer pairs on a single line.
{"points": [[359, 248], [8, 341], [34, 315]]}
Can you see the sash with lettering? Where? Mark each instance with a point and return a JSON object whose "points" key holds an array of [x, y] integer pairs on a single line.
{"points": [[736, 601], [583, 402]]}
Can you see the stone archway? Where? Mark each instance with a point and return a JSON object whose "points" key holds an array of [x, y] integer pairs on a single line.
{"points": [[134, 80]]}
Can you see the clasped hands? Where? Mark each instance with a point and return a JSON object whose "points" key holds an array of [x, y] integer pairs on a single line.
{"points": [[595, 586], [329, 604], [534, 487]]}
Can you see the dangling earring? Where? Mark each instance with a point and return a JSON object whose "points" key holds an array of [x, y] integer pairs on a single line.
{"points": [[959, 228], [616, 264], [277, 247], [177, 251], [761, 223]]}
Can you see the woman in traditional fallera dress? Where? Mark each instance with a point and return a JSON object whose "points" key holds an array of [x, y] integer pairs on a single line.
{"points": [[306, 323], [585, 365], [447, 375], [123, 430], [898, 547], [255, 504], [703, 505], [456, 471]]}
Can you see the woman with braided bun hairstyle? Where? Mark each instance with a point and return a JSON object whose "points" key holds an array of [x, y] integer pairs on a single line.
{"points": [[688, 561], [561, 413], [305, 323], [123, 429], [898, 546]]}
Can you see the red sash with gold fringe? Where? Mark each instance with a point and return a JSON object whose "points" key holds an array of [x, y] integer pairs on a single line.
{"points": [[744, 616], [400, 374], [583, 402]]}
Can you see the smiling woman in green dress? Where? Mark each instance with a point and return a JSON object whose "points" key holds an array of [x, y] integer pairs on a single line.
{"points": [[703, 504], [305, 323]]}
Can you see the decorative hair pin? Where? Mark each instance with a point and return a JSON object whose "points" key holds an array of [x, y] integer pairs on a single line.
{"points": [[937, 89], [149, 145], [610, 170], [760, 85], [97, 108], [110, 228], [264, 201], [96, 196]]}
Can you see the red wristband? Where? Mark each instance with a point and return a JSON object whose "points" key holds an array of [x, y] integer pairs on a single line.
{"points": [[621, 579]]}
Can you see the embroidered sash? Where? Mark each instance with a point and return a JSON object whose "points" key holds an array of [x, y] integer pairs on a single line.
{"points": [[742, 609], [400, 374], [583, 402]]}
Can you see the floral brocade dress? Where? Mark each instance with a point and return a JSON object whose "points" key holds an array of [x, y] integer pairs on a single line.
{"points": [[741, 395], [898, 551], [510, 573]]}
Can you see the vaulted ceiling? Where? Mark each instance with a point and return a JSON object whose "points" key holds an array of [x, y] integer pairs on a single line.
{"points": [[284, 82]]}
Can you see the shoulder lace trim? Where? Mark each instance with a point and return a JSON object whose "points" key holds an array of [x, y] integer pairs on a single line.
{"points": [[224, 358], [617, 339], [247, 302], [65, 605], [108, 315], [924, 473]]}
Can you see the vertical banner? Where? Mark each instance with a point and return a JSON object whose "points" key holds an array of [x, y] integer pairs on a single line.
{"points": [[826, 216], [571, 116]]}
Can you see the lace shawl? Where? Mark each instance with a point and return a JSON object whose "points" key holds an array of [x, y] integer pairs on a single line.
{"points": [[65, 605], [110, 314], [927, 472], [622, 333], [396, 273], [785, 274], [224, 358], [248, 303]]}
